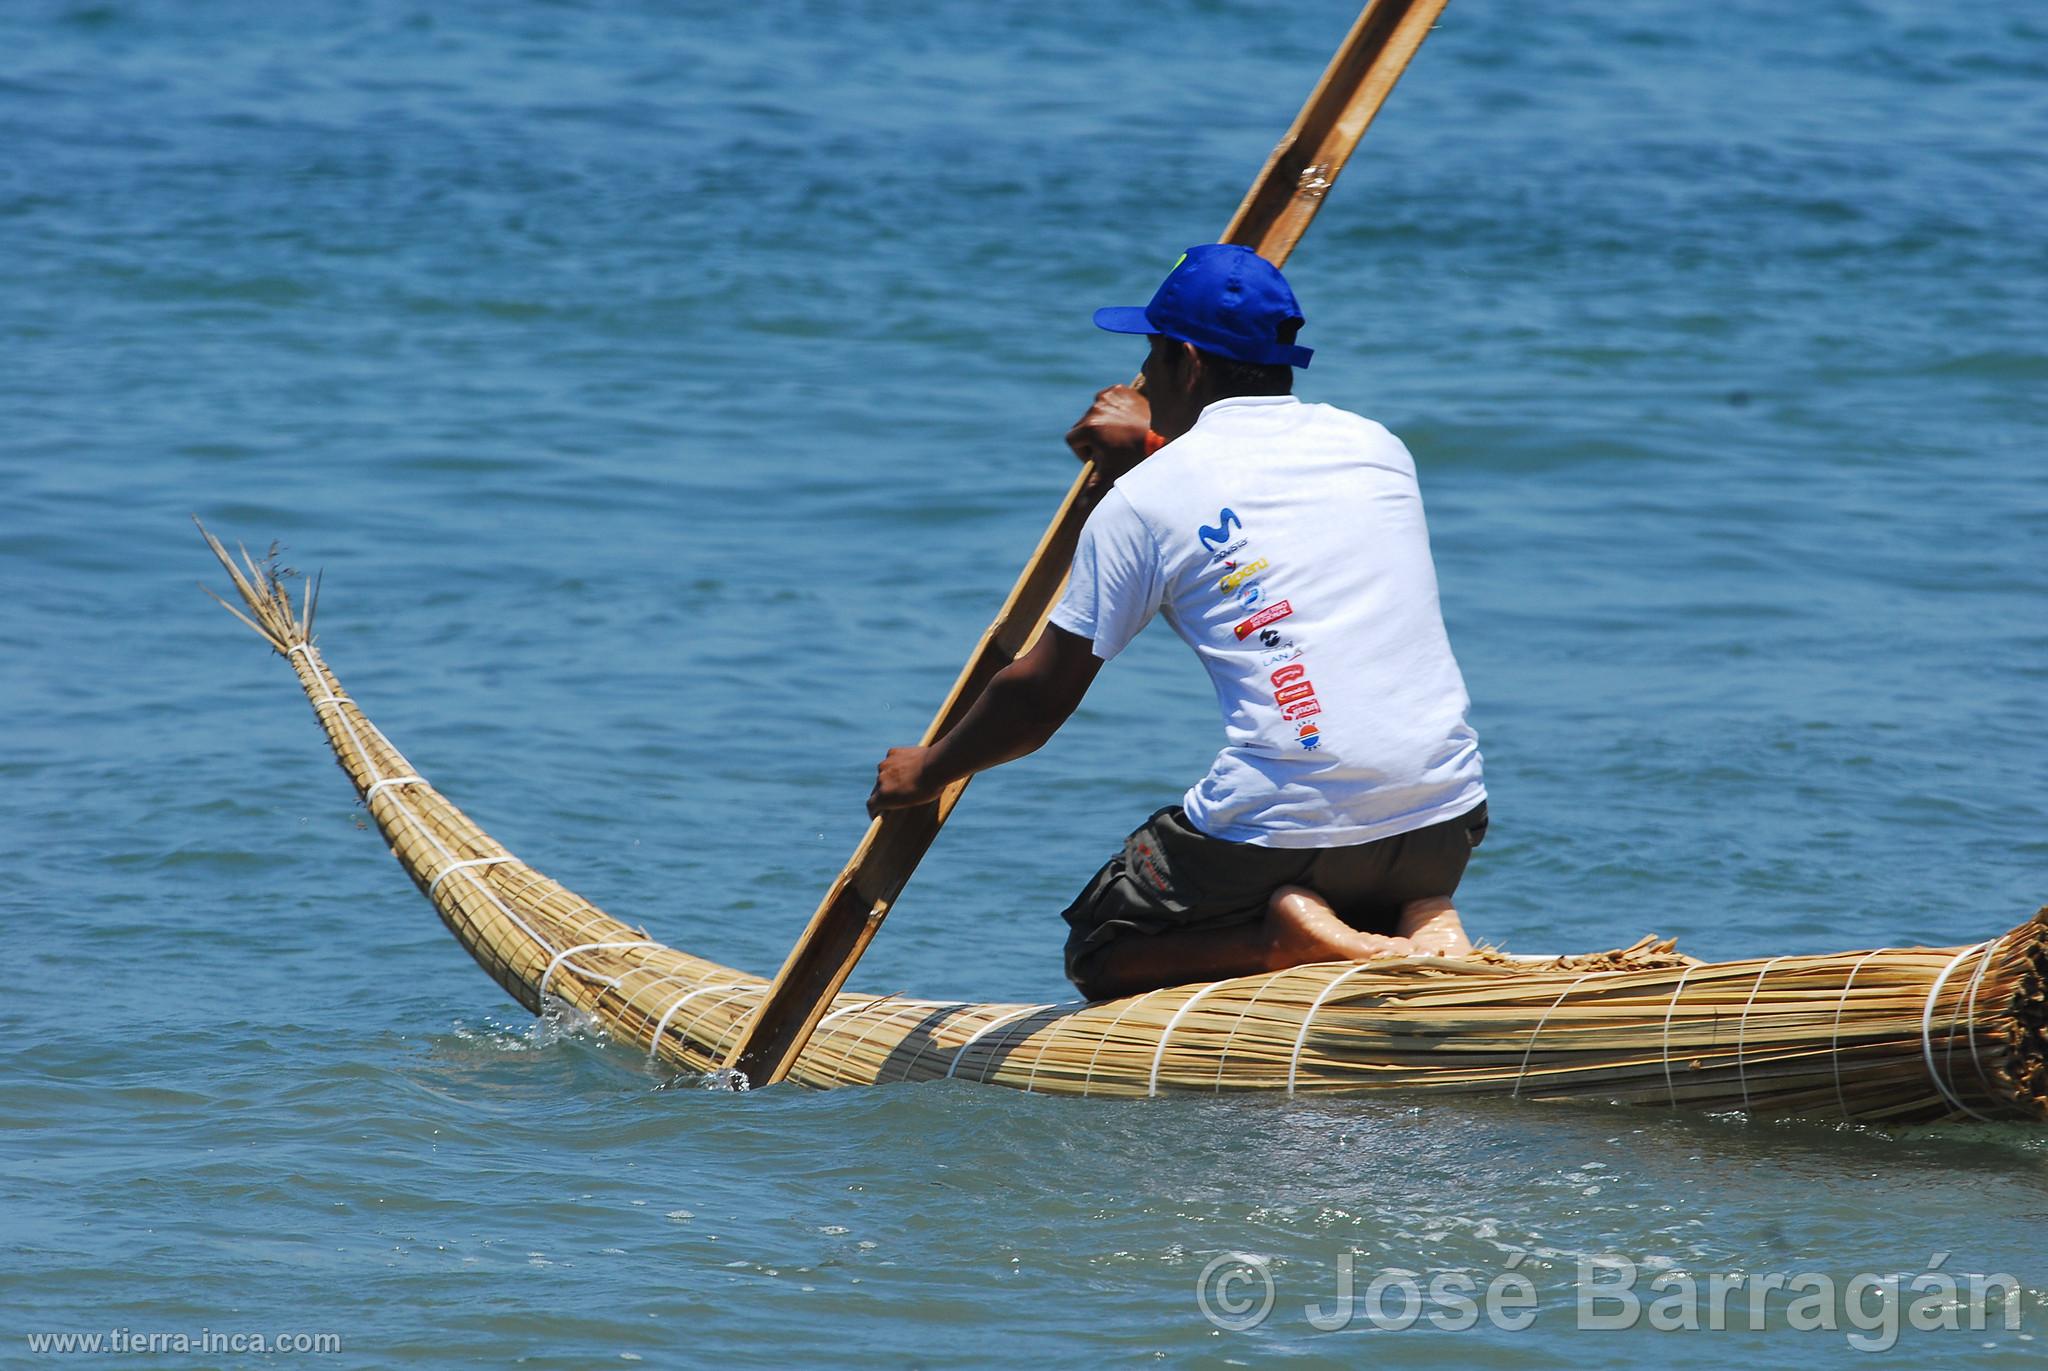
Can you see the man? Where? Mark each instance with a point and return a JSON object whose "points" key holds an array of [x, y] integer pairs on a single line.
{"points": [[1284, 542]]}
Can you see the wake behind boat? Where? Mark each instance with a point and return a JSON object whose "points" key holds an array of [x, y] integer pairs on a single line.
{"points": [[1889, 1034]]}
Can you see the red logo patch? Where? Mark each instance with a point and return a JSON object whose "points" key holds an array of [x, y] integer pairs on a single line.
{"points": [[1271, 614]]}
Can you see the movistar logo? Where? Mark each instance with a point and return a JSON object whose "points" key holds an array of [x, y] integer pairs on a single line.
{"points": [[1216, 535]]}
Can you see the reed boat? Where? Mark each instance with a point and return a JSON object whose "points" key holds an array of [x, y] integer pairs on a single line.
{"points": [[1884, 1034]]}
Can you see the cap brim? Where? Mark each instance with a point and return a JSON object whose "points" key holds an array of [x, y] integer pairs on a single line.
{"points": [[1124, 319]]}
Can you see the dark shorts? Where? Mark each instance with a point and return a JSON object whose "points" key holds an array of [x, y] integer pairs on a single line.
{"points": [[1171, 877]]}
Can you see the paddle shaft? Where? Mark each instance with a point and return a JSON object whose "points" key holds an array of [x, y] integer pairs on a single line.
{"points": [[1272, 217]]}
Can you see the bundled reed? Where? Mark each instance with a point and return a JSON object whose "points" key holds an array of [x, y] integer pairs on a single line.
{"points": [[1888, 1034]]}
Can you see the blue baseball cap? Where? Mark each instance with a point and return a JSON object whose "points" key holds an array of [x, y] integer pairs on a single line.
{"points": [[1224, 299]]}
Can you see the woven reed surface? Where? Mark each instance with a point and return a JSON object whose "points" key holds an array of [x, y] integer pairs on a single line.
{"points": [[1889, 1034]]}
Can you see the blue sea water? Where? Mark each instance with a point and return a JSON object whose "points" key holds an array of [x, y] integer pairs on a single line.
{"points": [[670, 393]]}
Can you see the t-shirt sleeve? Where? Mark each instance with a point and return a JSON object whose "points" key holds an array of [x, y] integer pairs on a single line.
{"points": [[1116, 583]]}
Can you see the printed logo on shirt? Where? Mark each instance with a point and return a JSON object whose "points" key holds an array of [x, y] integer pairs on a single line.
{"points": [[1271, 614], [1240, 573], [1296, 696], [1215, 536], [1293, 692]]}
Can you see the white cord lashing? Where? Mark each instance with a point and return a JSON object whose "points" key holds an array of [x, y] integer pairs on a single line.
{"points": [[910, 1006], [419, 824], [1088, 1080], [569, 952], [1677, 990], [468, 864], [1835, 1041], [1159, 1053], [978, 1034], [1537, 1032], [390, 783], [678, 1002], [840, 1013], [370, 765], [632, 1000], [1223, 1052], [1062, 1010], [1741, 1028], [1927, 1030], [717, 1049], [1031, 1077], [1308, 1020], [1970, 1011], [329, 697]]}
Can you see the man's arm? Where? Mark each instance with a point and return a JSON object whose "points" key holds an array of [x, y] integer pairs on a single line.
{"points": [[1025, 704], [1027, 701]]}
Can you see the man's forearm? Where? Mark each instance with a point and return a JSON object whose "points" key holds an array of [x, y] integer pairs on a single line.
{"points": [[1023, 704], [1014, 716]]}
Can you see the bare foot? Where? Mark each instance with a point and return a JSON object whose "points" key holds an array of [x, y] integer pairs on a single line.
{"points": [[1301, 927], [1432, 925]]}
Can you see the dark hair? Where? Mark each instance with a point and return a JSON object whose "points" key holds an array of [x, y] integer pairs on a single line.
{"points": [[1233, 377]]}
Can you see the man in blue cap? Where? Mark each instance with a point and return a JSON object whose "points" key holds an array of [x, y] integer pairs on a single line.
{"points": [[1284, 542]]}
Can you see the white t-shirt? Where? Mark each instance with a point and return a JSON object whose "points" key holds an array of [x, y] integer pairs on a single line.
{"points": [[1285, 544]]}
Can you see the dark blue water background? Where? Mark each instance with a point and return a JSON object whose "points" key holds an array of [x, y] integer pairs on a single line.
{"points": [[670, 393]]}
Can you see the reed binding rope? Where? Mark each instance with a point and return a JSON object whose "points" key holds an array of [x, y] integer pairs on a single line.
{"points": [[1934, 1072]]}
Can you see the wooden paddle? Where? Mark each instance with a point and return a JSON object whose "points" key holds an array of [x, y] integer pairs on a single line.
{"points": [[1274, 214]]}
